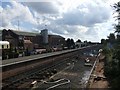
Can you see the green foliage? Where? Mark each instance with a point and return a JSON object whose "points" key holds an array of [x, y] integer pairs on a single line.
{"points": [[111, 67], [70, 43], [112, 61], [103, 41], [115, 82], [78, 40], [111, 38], [117, 28]]}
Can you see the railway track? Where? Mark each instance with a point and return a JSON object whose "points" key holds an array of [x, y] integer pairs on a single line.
{"points": [[36, 74], [41, 71], [14, 70]]}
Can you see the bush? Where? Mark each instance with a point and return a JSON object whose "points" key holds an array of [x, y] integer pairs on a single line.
{"points": [[115, 83], [111, 68], [16, 55], [4, 56], [27, 53], [10, 55]]}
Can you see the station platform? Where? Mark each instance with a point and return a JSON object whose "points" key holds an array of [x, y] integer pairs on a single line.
{"points": [[33, 57]]}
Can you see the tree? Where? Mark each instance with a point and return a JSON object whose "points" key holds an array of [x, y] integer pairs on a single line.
{"points": [[70, 43], [85, 41], [103, 41], [112, 63], [111, 38], [117, 27], [78, 40], [117, 10]]}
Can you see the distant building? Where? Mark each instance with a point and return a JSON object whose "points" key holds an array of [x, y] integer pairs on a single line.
{"points": [[38, 41], [80, 44], [56, 41], [29, 40], [12, 38]]}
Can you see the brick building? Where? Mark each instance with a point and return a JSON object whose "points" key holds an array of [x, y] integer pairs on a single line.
{"points": [[19, 39], [56, 41], [29, 40]]}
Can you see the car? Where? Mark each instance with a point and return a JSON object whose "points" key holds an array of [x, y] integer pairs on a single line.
{"points": [[87, 60]]}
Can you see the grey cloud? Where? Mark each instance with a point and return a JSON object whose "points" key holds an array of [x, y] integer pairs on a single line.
{"points": [[16, 11], [4, 24], [92, 31], [43, 7], [86, 15]]}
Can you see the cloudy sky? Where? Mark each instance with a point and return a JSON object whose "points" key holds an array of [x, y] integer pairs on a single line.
{"points": [[89, 20]]}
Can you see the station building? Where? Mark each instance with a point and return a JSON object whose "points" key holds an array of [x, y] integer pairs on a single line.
{"points": [[21, 40]]}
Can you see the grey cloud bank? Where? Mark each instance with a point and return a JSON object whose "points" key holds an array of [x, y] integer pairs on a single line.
{"points": [[86, 15], [43, 7]]}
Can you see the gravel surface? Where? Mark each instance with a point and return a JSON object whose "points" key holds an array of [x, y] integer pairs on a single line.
{"points": [[99, 71], [74, 71]]}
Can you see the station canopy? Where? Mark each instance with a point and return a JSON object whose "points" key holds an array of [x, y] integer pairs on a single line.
{"points": [[4, 42]]}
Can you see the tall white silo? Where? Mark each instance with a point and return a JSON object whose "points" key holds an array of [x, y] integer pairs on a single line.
{"points": [[44, 34]]}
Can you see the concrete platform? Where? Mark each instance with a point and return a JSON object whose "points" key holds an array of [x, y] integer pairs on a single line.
{"points": [[39, 56], [33, 57]]}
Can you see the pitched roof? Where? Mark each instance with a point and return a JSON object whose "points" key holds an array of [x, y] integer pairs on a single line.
{"points": [[56, 36], [4, 42], [25, 33]]}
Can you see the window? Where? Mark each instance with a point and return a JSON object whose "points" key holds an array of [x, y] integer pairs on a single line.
{"points": [[7, 46], [2, 46]]}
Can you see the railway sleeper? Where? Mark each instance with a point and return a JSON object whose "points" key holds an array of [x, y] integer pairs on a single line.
{"points": [[37, 75]]}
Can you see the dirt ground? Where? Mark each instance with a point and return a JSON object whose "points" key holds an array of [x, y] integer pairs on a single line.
{"points": [[99, 71]]}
